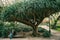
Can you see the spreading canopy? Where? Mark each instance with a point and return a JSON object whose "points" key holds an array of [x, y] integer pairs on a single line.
{"points": [[30, 12]]}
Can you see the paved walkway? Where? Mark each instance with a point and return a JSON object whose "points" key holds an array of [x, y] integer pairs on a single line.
{"points": [[28, 39]]}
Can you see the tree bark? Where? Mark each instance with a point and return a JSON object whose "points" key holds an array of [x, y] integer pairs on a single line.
{"points": [[35, 31]]}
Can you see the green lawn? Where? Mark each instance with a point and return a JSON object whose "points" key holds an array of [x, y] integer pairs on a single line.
{"points": [[58, 26], [58, 29]]}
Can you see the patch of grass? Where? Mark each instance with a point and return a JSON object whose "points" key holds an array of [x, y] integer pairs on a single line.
{"points": [[58, 24], [58, 29]]}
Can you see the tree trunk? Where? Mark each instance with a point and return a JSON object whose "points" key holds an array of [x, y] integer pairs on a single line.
{"points": [[35, 31]]}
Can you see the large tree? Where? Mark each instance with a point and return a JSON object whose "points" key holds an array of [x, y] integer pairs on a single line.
{"points": [[30, 12]]}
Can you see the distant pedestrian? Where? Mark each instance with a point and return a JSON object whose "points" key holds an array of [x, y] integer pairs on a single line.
{"points": [[11, 35]]}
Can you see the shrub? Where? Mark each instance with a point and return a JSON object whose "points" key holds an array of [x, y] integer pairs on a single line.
{"points": [[0, 33], [5, 33], [46, 34], [27, 29], [41, 29], [58, 26]]}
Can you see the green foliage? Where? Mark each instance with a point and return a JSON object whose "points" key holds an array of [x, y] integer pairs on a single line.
{"points": [[1, 9], [41, 29], [1, 27], [0, 33], [6, 27], [28, 9], [58, 29], [3, 30], [27, 29], [46, 34]]}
